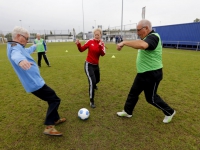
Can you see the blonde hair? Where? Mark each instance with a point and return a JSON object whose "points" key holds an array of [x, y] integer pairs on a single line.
{"points": [[98, 29], [19, 30]]}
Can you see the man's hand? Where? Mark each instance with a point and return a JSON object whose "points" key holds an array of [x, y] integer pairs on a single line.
{"points": [[24, 64], [77, 41], [119, 46]]}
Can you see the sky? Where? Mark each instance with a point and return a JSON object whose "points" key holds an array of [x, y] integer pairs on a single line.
{"points": [[82, 15]]}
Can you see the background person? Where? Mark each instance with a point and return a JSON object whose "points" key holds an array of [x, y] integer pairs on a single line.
{"points": [[96, 49], [41, 49], [29, 75], [149, 71]]}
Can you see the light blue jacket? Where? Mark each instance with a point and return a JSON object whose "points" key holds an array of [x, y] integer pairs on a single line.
{"points": [[31, 78]]}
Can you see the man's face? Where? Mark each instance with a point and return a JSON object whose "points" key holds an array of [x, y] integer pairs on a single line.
{"points": [[23, 38], [142, 31], [38, 37]]}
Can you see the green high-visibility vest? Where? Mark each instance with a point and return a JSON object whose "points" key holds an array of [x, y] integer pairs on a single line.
{"points": [[40, 46], [148, 60]]}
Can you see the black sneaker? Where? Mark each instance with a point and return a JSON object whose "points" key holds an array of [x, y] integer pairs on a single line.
{"points": [[96, 88], [92, 105]]}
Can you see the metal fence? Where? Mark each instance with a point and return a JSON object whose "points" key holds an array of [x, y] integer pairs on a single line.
{"points": [[69, 35], [182, 45], [53, 35]]}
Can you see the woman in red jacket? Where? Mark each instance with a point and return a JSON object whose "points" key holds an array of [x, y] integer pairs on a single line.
{"points": [[96, 49]]}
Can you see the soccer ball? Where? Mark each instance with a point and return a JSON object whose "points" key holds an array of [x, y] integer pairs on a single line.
{"points": [[83, 114]]}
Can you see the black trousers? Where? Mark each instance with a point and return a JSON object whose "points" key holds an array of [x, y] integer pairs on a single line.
{"points": [[147, 82], [93, 75], [47, 94], [40, 54]]}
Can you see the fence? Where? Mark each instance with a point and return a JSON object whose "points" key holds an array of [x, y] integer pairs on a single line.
{"points": [[182, 45], [48, 35], [68, 35]]}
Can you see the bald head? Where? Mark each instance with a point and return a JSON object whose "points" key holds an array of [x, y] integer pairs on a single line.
{"points": [[38, 36], [145, 23], [144, 28]]}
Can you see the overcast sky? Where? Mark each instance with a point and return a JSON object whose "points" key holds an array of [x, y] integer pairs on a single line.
{"points": [[68, 14]]}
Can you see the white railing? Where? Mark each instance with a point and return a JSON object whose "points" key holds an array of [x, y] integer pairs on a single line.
{"points": [[182, 44]]}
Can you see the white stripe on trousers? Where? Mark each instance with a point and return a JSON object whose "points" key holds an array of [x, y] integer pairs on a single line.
{"points": [[157, 104], [89, 78]]}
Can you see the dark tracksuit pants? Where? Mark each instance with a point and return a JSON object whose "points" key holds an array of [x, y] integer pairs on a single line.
{"points": [[93, 74], [47, 94], [40, 54], [147, 82]]}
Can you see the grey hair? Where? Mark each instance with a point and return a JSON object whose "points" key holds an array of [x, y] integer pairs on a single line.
{"points": [[98, 29], [19, 30], [38, 34], [147, 23]]}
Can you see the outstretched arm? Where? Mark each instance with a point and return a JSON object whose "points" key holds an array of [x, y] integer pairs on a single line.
{"points": [[82, 48], [137, 44], [31, 49]]}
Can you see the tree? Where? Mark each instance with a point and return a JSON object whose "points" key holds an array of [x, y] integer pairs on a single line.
{"points": [[9, 36], [80, 35], [51, 32], [197, 20]]}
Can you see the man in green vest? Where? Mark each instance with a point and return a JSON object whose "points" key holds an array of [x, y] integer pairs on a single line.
{"points": [[149, 71], [41, 49]]}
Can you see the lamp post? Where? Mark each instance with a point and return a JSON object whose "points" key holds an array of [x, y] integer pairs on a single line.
{"points": [[83, 21], [122, 19], [95, 23], [20, 22]]}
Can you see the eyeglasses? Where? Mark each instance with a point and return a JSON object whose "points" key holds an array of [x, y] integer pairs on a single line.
{"points": [[26, 38], [140, 29]]}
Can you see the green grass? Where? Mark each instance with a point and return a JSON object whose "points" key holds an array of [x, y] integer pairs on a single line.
{"points": [[22, 115]]}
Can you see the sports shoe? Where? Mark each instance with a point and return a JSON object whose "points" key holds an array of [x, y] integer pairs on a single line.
{"points": [[96, 88], [123, 114], [50, 130], [92, 105], [61, 120], [168, 119]]}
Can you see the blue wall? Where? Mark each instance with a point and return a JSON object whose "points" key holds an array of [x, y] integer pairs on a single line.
{"points": [[184, 35]]}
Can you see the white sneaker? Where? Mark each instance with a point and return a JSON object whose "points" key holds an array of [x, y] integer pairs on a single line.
{"points": [[168, 119], [123, 114]]}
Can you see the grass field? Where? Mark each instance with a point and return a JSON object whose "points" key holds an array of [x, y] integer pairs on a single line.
{"points": [[22, 115]]}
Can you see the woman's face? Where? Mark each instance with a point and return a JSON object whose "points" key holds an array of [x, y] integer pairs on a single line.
{"points": [[97, 35]]}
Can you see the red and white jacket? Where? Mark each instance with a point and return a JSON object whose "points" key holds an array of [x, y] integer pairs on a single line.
{"points": [[95, 50]]}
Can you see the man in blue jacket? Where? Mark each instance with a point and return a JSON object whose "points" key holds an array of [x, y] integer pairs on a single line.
{"points": [[29, 75]]}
